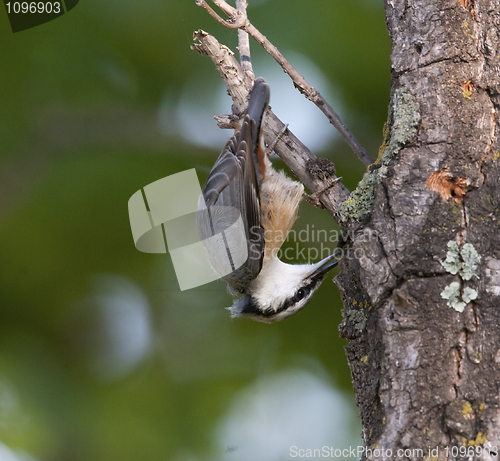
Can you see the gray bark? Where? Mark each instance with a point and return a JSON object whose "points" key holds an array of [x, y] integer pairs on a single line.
{"points": [[425, 373]]}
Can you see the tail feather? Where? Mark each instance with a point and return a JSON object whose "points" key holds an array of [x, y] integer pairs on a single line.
{"points": [[257, 105]]}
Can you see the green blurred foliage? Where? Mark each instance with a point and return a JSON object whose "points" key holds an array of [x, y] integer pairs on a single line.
{"points": [[79, 134]]}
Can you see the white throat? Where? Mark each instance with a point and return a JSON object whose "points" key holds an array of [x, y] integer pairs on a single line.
{"points": [[277, 281]]}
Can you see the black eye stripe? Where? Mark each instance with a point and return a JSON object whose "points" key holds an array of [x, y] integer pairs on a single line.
{"points": [[296, 297], [252, 308]]}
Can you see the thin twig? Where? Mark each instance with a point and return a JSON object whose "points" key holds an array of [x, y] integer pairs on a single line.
{"points": [[236, 19], [244, 42], [293, 152]]}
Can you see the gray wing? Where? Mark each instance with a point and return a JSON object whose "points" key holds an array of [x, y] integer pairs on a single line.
{"points": [[233, 183]]}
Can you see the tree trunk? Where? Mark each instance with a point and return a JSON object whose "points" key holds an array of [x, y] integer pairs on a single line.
{"points": [[420, 277]]}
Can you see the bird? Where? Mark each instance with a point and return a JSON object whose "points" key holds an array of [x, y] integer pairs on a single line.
{"points": [[244, 181]]}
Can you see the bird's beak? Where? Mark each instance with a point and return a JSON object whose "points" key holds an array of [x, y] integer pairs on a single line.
{"points": [[321, 268]]}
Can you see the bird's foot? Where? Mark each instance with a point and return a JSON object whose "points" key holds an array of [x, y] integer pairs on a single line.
{"points": [[313, 199], [273, 144]]}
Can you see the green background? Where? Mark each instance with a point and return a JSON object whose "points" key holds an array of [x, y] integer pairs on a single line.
{"points": [[101, 356]]}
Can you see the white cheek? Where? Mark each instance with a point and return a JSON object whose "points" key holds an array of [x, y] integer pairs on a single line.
{"points": [[294, 309], [275, 291]]}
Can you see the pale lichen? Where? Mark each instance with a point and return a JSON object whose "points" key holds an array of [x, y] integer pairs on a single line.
{"points": [[404, 118], [361, 199], [452, 293], [469, 295], [463, 262], [471, 258], [452, 262]]}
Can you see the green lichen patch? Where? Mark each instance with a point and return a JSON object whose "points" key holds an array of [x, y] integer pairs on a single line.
{"points": [[361, 199], [404, 118]]}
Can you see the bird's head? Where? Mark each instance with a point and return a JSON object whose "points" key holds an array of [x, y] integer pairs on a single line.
{"points": [[281, 290]]}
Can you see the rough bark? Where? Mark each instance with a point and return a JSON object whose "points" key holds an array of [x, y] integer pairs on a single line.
{"points": [[425, 374]]}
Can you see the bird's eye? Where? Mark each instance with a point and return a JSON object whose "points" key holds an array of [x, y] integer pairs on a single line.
{"points": [[301, 293]]}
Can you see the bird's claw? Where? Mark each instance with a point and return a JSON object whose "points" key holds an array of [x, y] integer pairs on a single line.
{"points": [[271, 147], [313, 199]]}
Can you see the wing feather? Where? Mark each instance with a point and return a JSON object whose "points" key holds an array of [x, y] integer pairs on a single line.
{"points": [[233, 183]]}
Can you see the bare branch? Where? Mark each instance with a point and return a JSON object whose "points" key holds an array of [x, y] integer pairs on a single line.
{"points": [[230, 71], [296, 155], [300, 82]]}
